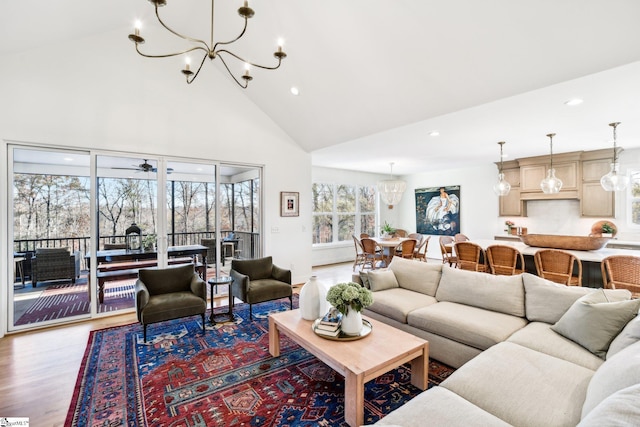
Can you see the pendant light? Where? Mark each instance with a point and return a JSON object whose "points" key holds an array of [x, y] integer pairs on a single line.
{"points": [[391, 189], [551, 184], [613, 181], [502, 187]]}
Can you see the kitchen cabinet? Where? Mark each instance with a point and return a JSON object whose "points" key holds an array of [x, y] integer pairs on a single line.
{"points": [[512, 204], [534, 169], [595, 201], [580, 173]]}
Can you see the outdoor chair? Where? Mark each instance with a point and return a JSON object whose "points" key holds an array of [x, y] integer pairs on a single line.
{"points": [[446, 248], [557, 266], [211, 250], [622, 272], [503, 260], [169, 293], [470, 256], [54, 264], [259, 280]]}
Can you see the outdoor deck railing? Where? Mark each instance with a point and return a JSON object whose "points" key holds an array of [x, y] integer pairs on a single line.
{"points": [[248, 243]]}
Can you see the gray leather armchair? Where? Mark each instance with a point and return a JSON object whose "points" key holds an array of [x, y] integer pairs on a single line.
{"points": [[169, 293], [258, 280]]}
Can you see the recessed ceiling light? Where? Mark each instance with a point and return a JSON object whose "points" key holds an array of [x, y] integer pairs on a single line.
{"points": [[295, 91], [68, 159], [572, 102], [434, 133]]}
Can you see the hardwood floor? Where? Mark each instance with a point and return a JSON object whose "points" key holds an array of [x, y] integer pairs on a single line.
{"points": [[38, 369]]}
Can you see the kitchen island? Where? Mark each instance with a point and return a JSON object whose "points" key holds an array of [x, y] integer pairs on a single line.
{"points": [[591, 273]]}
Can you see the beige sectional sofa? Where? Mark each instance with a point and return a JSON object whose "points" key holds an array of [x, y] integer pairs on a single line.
{"points": [[529, 352]]}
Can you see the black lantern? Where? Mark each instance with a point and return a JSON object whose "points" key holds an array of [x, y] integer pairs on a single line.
{"points": [[134, 237]]}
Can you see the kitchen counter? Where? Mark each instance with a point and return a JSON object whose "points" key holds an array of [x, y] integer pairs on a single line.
{"points": [[612, 244], [591, 273]]}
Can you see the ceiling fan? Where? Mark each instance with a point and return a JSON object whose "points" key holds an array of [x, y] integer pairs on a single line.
{"points": [[143, 167]]}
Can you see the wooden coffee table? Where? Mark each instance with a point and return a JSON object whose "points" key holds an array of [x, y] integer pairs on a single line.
{"points": [[384, 349]]}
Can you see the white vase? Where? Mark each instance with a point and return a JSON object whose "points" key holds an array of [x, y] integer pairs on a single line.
{"points": [[351, 322], [309, 301]]}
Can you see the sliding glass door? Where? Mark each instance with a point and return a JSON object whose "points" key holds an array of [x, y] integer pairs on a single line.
{"points": [[50, 226], [84, 223]]}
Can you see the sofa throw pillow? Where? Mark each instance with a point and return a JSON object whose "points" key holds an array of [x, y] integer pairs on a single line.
{"points": [[629, 335], [504, 294], [382, 280], [596, 318], [617, 373], [622, 408], [364, 279], [547, 301], [417, 276]]}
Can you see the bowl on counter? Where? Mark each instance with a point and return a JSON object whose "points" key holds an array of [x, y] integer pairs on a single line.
{"points": [[576, 243]]}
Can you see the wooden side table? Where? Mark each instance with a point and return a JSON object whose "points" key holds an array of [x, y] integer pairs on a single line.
{"points": [[213, 283]]}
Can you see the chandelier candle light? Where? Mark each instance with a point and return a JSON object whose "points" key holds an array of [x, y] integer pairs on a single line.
{"points": [[391, 189], [613, 181], [551, 184], [211, 50], [502, 187]]}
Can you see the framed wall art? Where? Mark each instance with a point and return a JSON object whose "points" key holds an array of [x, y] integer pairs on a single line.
{"points": [[438, 210], [289, 203]]}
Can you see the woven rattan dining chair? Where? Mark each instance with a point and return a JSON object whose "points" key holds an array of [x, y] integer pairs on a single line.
{"points": [[446, 248], [364, 236], [503, 260], [372, 253], [359, 252], [470, 256], [407, 247], [557, 266], [421, 250], [460, 238], [400, 233], [622, 272]]}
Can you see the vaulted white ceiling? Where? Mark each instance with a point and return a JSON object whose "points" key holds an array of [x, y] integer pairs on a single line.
{"points": [[376, 77]]}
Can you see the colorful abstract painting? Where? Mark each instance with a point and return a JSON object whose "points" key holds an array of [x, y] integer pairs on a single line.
{"points": [[438, 210]]}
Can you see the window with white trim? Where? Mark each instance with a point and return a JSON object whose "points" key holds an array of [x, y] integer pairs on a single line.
{"points": [[341, 210]]}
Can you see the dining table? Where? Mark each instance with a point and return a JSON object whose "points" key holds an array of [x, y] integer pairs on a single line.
{"points": [[389, 246]]}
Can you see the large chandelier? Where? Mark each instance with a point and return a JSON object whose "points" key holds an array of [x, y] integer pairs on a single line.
{"points": [[551, 184], [391, 189], [613, 181], [210, 50], [502, 187]]}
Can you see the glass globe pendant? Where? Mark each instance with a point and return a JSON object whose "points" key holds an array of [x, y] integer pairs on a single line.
{"points": [[551, 184], [613, 181], [502, 187]]}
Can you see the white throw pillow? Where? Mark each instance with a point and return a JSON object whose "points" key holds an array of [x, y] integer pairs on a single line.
{"points": [[382, 280], [629, 335], [596, 318], [617, 373], [546, 301], [620, 409]]}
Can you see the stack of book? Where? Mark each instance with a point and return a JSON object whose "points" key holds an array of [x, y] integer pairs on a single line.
{"points": [[329, 325]]}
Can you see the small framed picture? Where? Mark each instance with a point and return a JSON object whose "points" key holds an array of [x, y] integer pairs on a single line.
{"points": [[289, 203]]}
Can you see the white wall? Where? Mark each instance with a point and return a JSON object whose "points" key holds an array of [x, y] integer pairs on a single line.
{"points": [[478, 203], [95, 93]]}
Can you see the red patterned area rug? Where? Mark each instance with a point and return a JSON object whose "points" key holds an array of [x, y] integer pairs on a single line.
{"points": [[225, 377]]}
